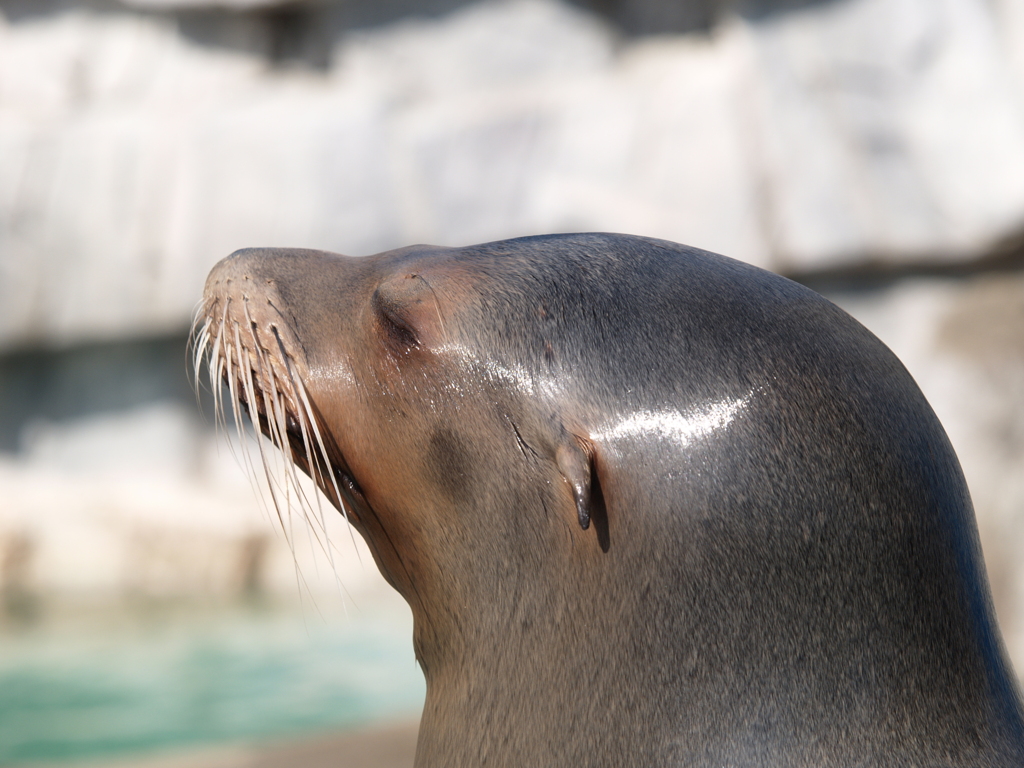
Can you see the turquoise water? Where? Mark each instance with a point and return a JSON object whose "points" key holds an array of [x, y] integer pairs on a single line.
{"points": [[145, 680]]}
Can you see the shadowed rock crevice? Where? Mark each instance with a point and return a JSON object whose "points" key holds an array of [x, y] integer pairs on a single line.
{"points": [[301, 30]]}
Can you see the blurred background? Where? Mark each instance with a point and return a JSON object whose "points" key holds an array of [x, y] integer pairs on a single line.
{"points": [[151, 613]]}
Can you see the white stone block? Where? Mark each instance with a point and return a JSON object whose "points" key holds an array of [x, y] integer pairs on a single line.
{"points": [[133, 159], [890, 129]]}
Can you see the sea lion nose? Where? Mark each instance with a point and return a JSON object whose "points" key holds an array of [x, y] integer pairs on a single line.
{"points": [[306, 281], [264, 291], [262, 267], [231, 275]]}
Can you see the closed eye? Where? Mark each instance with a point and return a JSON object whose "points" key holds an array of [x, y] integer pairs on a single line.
{"points": [[397, 328]]}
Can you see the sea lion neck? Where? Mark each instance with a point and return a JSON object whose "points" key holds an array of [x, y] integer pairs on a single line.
{"points": [[773, 655]]}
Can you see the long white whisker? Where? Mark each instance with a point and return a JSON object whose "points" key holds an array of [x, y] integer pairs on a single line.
{"points": [[323, 451], [218, 354], [291, 468], [248, 386], [266, 393], [276, 435], [317, 460]]}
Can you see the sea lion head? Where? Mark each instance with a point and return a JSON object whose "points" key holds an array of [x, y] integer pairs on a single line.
{"points": [[649, 505], [422, 391]]}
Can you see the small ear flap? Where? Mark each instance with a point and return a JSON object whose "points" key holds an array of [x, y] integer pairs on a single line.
{"points": [[574, 464], [577, 462]]}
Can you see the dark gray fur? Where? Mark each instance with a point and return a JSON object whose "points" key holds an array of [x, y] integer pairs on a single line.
{"points": [[802, 588]]}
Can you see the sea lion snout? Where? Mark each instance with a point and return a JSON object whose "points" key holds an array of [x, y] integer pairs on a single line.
{"points": [[261, 351], [247, 267], [278, 287]]}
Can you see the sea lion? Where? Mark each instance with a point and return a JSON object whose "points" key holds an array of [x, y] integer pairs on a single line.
{"points": [[650, 506]]}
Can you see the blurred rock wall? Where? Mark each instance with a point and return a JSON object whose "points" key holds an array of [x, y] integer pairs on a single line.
{"points": [[133, 156], [871, 148]]}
